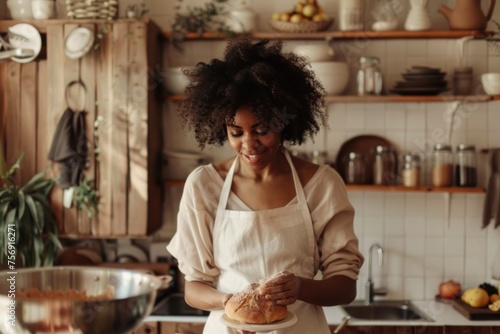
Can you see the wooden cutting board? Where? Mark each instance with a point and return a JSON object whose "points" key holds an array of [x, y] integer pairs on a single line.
{"points": [[472, 313]]}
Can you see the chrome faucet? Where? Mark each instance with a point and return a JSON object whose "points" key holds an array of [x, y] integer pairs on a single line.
{"points": [[370, 292]]}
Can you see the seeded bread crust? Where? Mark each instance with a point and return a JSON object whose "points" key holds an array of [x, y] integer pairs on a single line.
{"points": [[248, 306]]}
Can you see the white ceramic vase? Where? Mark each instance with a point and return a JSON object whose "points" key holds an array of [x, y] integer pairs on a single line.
{"points": [[418, 17]]}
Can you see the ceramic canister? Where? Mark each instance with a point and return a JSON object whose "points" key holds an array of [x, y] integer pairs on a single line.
{"points": [[242, 20]]}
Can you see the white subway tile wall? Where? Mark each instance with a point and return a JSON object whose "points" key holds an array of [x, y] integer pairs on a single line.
{"points": [[423, 242]]}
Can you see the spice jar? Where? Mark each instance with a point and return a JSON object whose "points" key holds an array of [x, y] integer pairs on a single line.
{"points": [[465, 166], [355, 172], [369, 77], [442, 168], [384, 166], [410, 170], [463, 81]]}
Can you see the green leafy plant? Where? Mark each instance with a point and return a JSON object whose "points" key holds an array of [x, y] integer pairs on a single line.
{"points": [[28, 228], [86, 197], [199, 19]]}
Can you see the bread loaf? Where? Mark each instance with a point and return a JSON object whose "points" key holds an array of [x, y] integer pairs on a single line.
{"points": [[248, 306]]}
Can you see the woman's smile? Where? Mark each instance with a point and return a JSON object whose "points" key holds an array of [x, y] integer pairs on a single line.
{"points": [[256, 144]]}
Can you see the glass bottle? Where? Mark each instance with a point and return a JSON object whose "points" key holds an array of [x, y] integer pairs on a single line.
{"points": [[442, 168], [369, 78], [384, 166], [410, 170], [465, 166]]}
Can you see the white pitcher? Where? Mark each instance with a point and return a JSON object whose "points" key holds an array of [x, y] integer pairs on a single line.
{"points": [[418, 17]]}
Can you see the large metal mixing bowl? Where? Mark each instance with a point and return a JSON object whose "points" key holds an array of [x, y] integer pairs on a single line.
{"points": [[134, 296]]}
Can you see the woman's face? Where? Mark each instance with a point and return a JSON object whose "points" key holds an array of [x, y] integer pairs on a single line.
{"points": [[256, 143]]}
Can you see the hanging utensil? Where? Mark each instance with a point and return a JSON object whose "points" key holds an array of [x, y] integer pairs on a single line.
{"points": [[492, 199], [19, 53]]}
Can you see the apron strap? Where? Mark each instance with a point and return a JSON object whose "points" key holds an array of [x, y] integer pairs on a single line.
{"points": [[226, 189], [299, 190]]}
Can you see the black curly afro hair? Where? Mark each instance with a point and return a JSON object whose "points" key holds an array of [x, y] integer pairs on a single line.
{"points": [[280, 89]]}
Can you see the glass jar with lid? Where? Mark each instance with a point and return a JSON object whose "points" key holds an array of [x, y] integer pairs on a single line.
{"points": [[355, 169], [410, 170], [369, 77], [465, 166], [442, 166]]}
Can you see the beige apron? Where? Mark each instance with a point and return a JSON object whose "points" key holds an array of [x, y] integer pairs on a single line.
{"points": [[252, 245]]}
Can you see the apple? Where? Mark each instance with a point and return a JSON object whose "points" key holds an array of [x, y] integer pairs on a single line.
{"points": [[450, 289], [296, 18], [309, 10]]}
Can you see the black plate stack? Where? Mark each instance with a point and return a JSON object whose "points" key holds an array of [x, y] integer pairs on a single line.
{"points": [[421, 80]]}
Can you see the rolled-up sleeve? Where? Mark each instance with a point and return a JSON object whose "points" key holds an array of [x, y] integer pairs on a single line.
{"points": [[333, 217], [192, 245]]}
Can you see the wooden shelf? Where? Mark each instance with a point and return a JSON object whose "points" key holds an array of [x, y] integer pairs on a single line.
{"points": [[389, 98], [370, 187], [368, 34], [41, 25]]}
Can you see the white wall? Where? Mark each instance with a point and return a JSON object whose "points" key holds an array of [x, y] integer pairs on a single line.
{"points": [[423, 243]]}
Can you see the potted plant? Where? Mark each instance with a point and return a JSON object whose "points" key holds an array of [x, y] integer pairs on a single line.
{"points": [[28, 228], [211, 16]]}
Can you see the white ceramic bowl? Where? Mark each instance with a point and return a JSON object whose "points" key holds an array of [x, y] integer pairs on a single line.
{"points": [[315, 52], [384, 25], [491, 83], [19, 9], [175, 80], [334, 75]]}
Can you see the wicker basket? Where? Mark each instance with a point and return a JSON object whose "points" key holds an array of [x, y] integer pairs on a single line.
{"points": [[309, 26], [92, 9]]}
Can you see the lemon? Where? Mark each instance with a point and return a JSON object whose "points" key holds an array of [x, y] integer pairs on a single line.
{"points": [[476, 297]]}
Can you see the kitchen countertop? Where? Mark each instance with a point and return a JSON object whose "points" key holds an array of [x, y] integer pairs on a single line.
{"points": [[442, 313]]}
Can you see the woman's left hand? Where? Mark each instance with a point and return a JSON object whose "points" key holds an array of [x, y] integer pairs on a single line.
{"points": [[282, 288]]}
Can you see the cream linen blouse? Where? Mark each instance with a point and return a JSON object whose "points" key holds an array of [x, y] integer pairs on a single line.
{"points": [[331, 213]]}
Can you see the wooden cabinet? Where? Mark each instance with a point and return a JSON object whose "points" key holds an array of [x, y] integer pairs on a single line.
{"points": [[122, 119], [181, 328], [420, 329], [470, 330]]}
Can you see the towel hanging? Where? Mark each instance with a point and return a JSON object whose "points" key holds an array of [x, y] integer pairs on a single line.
{"points": [[69, 144]]}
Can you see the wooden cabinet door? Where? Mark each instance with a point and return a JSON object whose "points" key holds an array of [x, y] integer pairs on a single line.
{"points": [[468, 330], [181, 328], [392, 330]]}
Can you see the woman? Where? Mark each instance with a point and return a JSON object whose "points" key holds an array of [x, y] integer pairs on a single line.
{"points": [[263, 211]]}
